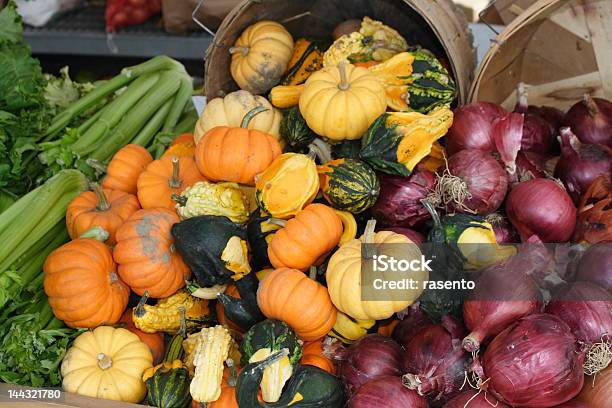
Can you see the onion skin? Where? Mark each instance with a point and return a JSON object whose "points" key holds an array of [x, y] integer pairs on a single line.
{"points": [[410, 325], [581, 164], [485, 178], [537, 131], [372, 357], [596, 391], [386, 392], [573, 404], [530, 165], [542, 208], [434, 362], [587, 310], [502, 295], [594, 266], [483, 400], [473, 127], [591, 120], [504, 232], [538, 349], [399, 201], [412, 235]]}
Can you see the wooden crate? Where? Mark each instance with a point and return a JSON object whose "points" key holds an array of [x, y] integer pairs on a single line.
{"points": [[561, 49]]}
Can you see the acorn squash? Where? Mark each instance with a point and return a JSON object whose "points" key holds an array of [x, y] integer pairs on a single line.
{"points": [[309, 386], [168, 382], [260, 231], [306, 59], [348, 149], [349, 185], [214, 248], [396, 142], [243, 310], [294, 130]]}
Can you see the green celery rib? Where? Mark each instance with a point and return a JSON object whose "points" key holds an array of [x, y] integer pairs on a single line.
{"points": [[186, 124], [85, 126], [11, 215], [183, 96], [159, 63], [147, 133], [34, 248]]}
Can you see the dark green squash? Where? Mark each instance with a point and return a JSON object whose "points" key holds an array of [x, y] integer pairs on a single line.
{"points": [[309, 387], [244, 310], [295, 131], [259, 233], [306, 59], [272, 334], [201, 241], [347, 149], [349, 185]]}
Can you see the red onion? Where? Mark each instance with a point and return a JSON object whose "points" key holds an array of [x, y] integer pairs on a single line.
{"points": [[508, 136], [481, 178], [591, 120], [473, 127], [412, 235], [372, 357], [535, 362], [553, 116], [530, 165], [399, 202], [537, 133], [504, 232], [595, 266], [413, 321], [501, 296], [594, 222], [471, 400], [543, 208], [573, 404], [434, 362], [386, 392], [581, 164]]}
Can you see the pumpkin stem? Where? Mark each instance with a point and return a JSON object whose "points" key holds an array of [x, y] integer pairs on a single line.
{"points": [[278, 221], [179, 199], [97, 233], [175, 181], [243, 50], [321, 149], [251, 114], [104, 361], [590, 104], [368, 239], [139, 310], [344, 84], [103, 204], [313, 273]]}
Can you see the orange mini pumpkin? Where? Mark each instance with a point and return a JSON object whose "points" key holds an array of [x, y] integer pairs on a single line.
{"points": [[146, 255], [301, 302], [312, 354], [227, 399], [236, 154], [164, 177], [125, 167], [100, 208], [182, 146], [82, 285], [155, 341], [313, 232]]}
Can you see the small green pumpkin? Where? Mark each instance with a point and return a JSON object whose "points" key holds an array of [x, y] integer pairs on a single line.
{"points": [[260, 231], [168, 383], [294, 130], [214, 248], [243, 310], [349, 185], [309, 387], [306, 59]]}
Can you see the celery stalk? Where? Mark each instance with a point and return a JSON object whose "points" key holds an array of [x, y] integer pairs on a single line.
{"points": [[182, 97], [147, 133]]}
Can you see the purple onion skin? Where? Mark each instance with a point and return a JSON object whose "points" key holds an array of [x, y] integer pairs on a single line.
{"points": [[593, 126], [504, 232], [412, 235], [596, 265], [473, 127], [399, 201], [573, 404], [386, 392], [586, 308], [530, 165], [538, 349], [481, 401], [410, 326], [537, 136], [372, 357], [486, 180]]}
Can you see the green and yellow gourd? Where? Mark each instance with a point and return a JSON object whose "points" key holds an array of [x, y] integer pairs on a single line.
{"points": [[168, 383], [220, 199], [349, 185], [260, 230], [306, 59], [295, 131], [396, 142], [349, 330]]}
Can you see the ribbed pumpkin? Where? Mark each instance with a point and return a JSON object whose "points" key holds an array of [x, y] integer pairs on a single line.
{"points": [[230, 110], [305, 239], [107, 363], [82, 285], [236, 154], [288, 185], [164, 177], [342, 102], [107, 209], [125, 167], [155, 341], [146, 256], [303, 303], [260, 56], [344, 280], [312, 354], [349, 185], [182, 146]]}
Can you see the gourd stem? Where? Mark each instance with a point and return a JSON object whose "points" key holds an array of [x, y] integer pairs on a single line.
{"points": [[368, 239], [278, 221], [183, 325], [179, 199], [104, 361], [232, 380], [175, 181], [243, 50], [251, 114], [321, 149], [97, 233], [590, 104], [313, 273], [140, 310], [103, 204], [344, 84]]}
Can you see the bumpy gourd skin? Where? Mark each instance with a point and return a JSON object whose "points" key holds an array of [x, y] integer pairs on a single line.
{"points": [[220, 199]]}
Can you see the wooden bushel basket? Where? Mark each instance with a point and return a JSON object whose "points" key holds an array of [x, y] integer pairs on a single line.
{"points": [[435, 24], [561, 49]]}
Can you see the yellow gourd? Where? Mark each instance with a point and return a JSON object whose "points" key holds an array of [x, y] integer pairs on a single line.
{"points": [[286, 96]]}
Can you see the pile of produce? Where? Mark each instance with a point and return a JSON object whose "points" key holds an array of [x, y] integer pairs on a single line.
{"points": [[222, 266]]}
